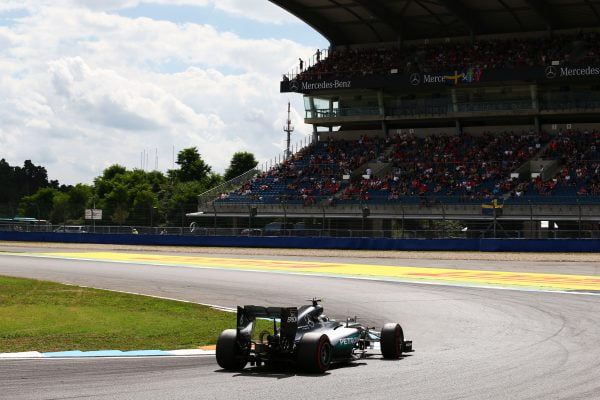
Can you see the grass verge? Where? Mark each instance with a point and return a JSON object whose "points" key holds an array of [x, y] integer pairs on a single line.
{"points": [[45, 316]]}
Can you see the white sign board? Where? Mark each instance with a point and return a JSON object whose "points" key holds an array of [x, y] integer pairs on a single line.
{"points": [[94, 213]]}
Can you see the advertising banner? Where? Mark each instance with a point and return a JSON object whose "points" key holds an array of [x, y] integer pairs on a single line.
{"points": [[468, 76], [93, 214]]}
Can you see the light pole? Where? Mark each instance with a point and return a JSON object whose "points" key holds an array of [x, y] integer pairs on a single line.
{"points": [[152, 217], [288, 128]]}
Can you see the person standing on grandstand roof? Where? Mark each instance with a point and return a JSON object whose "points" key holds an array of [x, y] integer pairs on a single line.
{"points": [[301, 64], [318, 54]]}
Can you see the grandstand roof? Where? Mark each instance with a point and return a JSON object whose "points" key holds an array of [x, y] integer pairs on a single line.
{"points": [[373, 21]]}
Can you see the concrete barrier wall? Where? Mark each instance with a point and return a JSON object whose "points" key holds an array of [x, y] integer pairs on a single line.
{"points": [[517, 245], [541, 245]]}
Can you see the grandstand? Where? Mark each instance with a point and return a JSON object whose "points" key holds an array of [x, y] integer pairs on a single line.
{"points": [[485, 113]]}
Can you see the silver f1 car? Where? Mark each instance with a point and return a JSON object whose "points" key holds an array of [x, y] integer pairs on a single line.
{"points": [[305, 337]]}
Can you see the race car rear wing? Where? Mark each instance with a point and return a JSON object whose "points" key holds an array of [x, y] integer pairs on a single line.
{"points": [[247, 315]]}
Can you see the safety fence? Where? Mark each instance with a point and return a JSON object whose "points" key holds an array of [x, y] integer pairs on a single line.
{"points": [[336, 228], [523, 245]]}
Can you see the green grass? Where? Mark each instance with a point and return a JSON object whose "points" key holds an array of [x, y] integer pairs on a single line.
{"points": [[44, 316]]}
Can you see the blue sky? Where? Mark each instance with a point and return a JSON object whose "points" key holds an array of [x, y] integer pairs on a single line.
{"points": [[98, 85], [9, 18]]}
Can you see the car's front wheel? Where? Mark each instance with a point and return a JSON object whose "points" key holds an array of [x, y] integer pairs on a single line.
{"points": [[230, 353], [392, 340], [314, 353]]}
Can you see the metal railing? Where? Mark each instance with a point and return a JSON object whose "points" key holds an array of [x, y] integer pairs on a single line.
{"points": [[235, 183], [570, 104], [444, 108], [441, 108], [342, 112], [317, 57], [208, 196], [358, 229], [381, 197], [485, 106], [424, 109]]}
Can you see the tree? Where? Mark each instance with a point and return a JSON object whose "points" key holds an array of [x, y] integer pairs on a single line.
{"points": [[117, 199], [114, 170], [60, 208], [144, 203], [240, 162], [38, 205], [80, 198], [7, 182], [191, 166], [125, 196], [120, 215], [33, 177], [17, 182]]}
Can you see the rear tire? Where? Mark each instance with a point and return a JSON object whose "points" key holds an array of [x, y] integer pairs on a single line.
{"points": [[230, 355], [392, 340], [314, 353]]}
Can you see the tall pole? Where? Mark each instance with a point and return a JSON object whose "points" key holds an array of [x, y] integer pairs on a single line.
{"points": [[288, 128]]}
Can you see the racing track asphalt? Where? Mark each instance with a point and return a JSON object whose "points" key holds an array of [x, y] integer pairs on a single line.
{"points": [[470, 343]]}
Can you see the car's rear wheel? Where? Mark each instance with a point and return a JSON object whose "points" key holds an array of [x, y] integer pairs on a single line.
{"points": [[230, 353], [392, 340], [314, 353]]}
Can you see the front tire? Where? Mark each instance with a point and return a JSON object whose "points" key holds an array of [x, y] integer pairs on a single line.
{"points": [[314, 353], [230, 354], [392, 340]]}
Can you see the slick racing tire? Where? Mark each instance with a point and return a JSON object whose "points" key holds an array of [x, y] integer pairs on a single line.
{"points": [[314, 353], [230, 355], [392, 340]]}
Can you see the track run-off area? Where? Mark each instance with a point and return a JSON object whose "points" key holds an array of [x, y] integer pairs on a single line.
{"points": [[445, 276], [481, 328]]}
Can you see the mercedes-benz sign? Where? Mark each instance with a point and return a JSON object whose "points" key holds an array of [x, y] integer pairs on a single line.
{"points": [[415, 79], [551, 72]]}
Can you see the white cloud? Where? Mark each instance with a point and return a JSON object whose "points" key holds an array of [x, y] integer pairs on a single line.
{"points": [[257, 10], [83, 89]]}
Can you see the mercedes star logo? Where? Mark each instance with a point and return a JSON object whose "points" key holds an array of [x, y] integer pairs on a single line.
{"points": [[294, 85], [415, 79], [551, 72]]}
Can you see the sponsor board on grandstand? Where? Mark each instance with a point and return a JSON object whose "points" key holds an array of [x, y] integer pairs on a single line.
{"points": [[306, 86], [554, 71], [467, 76]]}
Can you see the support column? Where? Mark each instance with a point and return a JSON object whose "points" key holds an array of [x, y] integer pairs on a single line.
{"points": [[331, 109], [536, 123], [381, 103], [385, 129], [454, 100], [311, 103], [535, 103], [458, 127], [315, 135]]}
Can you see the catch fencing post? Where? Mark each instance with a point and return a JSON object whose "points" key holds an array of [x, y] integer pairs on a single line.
{"points": [[215, 219]]}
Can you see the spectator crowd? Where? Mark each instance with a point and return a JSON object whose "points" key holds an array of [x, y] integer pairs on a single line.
{"points": [[465, 167], [444, 57], [428, 169], [578, 156]]}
